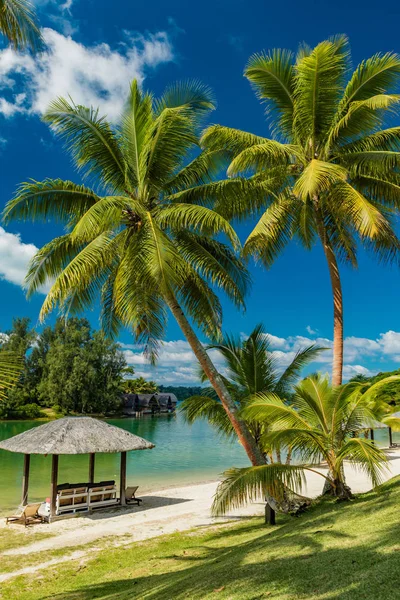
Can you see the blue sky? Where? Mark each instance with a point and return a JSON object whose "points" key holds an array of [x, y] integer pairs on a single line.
{"points": [[95, 48]]}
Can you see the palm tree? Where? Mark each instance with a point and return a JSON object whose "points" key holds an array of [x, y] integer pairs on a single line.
{"points": [[321, 424], [329, 172], [251, 370], [134, 244], [19, 25]]}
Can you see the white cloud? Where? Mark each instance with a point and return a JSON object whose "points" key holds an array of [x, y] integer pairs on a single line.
{"points": [[177, 364], [14, 257], [277, 342], [390, 342], [310, 330], [92, 75]]}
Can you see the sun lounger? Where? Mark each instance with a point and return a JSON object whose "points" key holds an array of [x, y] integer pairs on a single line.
{"points": [[130, 497], [27, 515]]}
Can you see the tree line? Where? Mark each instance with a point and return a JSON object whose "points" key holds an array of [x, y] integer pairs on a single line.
{"points": [[67, 367]]}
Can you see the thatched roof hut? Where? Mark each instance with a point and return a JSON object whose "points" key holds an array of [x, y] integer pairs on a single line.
{"points": [[75, 435]]}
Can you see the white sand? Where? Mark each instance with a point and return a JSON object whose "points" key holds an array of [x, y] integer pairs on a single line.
{"points": [[166, 511]]}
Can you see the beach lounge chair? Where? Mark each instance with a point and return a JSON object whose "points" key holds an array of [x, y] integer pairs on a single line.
{"points": [[27, 515], [130, 497]]}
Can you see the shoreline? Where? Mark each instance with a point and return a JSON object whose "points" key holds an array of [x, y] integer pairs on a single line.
{"points": [[169, 509]]}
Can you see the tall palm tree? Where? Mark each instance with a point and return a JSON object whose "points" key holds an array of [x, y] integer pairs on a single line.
{"points": [[133, 243], [330, 170], [251, 369], [18, 23], [322, 423]]}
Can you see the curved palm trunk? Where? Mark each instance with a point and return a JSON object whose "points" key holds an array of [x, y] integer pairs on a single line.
{"points": [[243, 433], [337, 363]]}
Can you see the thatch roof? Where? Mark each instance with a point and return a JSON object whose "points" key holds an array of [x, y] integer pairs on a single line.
{"points": [[75, 435], [372, 424]]}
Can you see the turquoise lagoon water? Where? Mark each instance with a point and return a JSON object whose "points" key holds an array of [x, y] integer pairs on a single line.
{"points": [[183, 454]]}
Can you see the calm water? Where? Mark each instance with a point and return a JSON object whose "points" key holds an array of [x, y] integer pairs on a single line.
{"points": [[183, 454]]}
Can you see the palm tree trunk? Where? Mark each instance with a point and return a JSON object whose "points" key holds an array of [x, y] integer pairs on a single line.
{"points": [[337, 362], [242, 431]]}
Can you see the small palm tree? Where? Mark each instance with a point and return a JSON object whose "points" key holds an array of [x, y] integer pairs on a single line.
{"points": [[321, 424], [19, 25], [251, 370], [134, 244], [329, 172]]}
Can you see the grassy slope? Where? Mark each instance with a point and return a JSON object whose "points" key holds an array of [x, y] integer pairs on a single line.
{"points": [[335, 551]]}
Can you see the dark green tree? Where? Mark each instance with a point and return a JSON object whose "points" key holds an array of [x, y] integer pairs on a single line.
{"points": [[83, 372]]}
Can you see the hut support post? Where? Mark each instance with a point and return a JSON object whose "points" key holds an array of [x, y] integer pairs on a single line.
{"points": [[122, 479], [91, 467], [372, 435], [25, 479], [390, 437], [54, 477]]}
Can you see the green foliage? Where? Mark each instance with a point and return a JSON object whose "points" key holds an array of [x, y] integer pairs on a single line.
{"points": [[181, 392], [19, 25], [136, 246], [13, 347], [389, 392], [329, 171], [321, 424], [327, 552], [139, 385], [23, 411], [336, 165], [67, 367], [250, 370]]}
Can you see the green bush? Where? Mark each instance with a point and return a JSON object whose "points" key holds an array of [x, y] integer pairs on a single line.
{"points": [[28, 411]]}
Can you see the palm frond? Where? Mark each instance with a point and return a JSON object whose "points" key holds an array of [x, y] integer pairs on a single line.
{"points": [[318, 85], [192, 95], [218, 137], [376, 75], [241, 486], [192, 217], [202, 407], [136, 121], [292, 372], [365, 456], [261, 156], [216, 263], [63, 201], [273, 231], [11, 365], [272, 77], [318, 177], [18, 23], [90, 141]]}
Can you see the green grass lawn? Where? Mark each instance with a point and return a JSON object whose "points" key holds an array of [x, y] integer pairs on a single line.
{"points": [[335, 551]]}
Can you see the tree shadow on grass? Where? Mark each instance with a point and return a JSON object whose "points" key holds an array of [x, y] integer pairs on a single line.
{"points": [[310, 557]]}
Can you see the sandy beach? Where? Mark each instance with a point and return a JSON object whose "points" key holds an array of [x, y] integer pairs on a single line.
{"points": [[166, 511]]}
